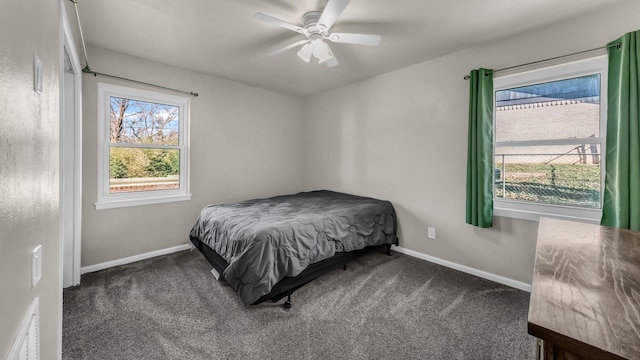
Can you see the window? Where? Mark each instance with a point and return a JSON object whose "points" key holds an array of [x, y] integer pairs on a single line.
{"points": [[549, 137], [143, 152]]}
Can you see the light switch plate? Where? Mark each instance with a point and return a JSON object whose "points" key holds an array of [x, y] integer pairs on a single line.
{"points": [[36, 265], [37, 74]]}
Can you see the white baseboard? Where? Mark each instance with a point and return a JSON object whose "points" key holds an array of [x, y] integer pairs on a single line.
{"points": [[130, 259], [469, 270]]}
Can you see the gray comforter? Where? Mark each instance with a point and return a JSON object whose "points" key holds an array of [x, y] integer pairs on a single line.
{"points": [[265, 240]]}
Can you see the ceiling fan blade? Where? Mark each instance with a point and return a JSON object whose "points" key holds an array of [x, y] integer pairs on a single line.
{"points": [[331, 12], [295, 44], [277, 22], [358, 39], [306, 52]]}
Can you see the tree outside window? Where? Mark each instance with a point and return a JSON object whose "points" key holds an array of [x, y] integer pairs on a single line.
{"points": [[152, 164]]}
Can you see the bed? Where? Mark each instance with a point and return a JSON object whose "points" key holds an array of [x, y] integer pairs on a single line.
{"points": [[268, 248]]}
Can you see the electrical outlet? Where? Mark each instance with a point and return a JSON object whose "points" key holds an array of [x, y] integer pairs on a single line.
{"points": [[431, 233]]}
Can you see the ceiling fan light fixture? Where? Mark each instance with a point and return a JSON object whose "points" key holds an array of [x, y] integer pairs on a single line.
{"points": [[324, 59], [306, 52], [330, 60], [321, 51]]}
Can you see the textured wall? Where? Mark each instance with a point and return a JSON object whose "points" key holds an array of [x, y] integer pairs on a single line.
{"points": [[402, 136], [245, 142], [29, 173]]}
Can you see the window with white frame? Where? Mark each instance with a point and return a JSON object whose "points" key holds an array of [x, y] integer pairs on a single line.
{"points": [[143, 152], [549, 133]]}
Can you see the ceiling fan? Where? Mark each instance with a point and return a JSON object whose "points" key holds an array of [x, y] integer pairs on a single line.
{"points": [[316, 26]]}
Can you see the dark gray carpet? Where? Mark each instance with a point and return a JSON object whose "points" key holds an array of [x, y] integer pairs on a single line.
{"points": [[381, 307]]}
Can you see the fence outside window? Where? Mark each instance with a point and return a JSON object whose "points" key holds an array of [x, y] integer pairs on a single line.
{"points": [[570, 179]]}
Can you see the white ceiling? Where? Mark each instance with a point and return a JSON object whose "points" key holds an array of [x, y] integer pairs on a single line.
{"points": [[222, 38]]}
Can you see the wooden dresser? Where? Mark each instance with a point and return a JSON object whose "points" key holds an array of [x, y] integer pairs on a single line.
{"points": [[585, 294]]}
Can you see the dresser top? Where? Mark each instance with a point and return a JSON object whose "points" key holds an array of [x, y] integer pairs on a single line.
{"points": [[585, 293]]}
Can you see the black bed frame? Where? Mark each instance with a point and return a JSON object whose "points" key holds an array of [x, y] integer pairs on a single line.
{"points": [[288, 285]]}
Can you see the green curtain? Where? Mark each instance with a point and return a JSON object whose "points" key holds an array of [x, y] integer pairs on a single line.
{"points": [[621, 198], [480, 149]]}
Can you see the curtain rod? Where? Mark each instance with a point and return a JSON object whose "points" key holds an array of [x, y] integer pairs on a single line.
{"points": [[87, 69], [616, 45]]}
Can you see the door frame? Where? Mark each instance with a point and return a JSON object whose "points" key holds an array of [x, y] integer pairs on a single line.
{"points": [[73, 146]]}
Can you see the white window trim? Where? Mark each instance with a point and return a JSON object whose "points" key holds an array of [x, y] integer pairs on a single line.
{"points": [[109, 201], [532, 211]]}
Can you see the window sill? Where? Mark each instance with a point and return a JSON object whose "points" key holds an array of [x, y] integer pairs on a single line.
{"points": [[111, 204], [534, 212]]}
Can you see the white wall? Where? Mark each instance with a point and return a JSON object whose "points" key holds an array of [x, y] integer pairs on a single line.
{"points": [[402, 137], [29, 171], [245, 142]]}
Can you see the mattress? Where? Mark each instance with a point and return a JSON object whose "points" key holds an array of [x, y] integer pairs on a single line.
{"points": [[266, 240]]}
